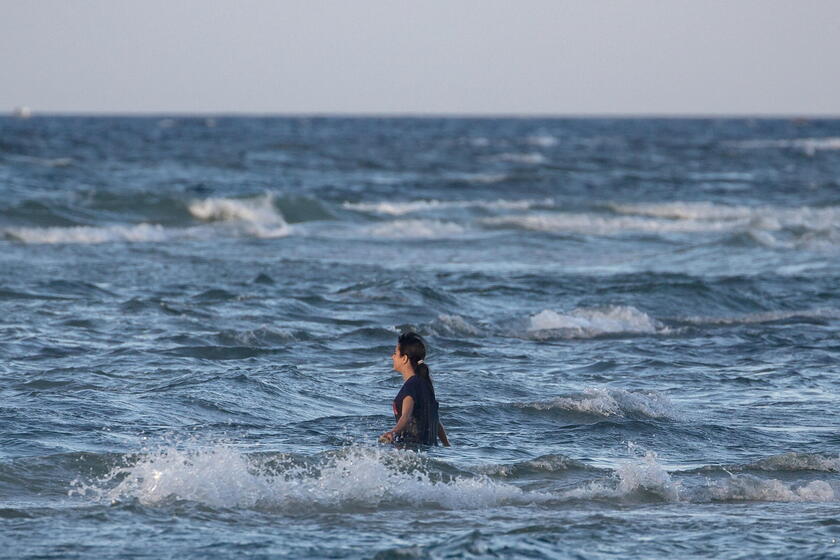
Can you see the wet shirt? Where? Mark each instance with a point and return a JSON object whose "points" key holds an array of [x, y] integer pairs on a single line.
{"points": [[423, 425]]}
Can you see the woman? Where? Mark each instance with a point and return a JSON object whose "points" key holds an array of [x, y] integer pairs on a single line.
{"points": [[415, 407]]}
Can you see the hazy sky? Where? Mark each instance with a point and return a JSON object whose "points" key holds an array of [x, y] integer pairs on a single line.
{"points": [[428, 56]]}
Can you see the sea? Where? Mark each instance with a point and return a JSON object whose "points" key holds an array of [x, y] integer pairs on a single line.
{"points": [[633, 330]]}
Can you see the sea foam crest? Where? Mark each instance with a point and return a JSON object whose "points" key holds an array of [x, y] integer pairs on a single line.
{"points": [[644, 474], [415, 229], [589, 322], [542, 140], [412, 206], [252, 217], [515, 157], [258, 216], [797, 462], [819, 224], [455, 324], [92, 234], [810, 146], [766, 317], [744, 487], [220, 476], [640, 474], [595, 224], [611, 402], [686, 210]]}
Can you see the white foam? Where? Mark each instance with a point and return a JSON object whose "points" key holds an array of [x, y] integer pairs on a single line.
{"points": [[589, 322], [639, 474], [412, 206], [479, 141], [542, 140], [254, 217], [415, 229], [259, 216], [455, 324], [528, 157], [812, 227], [220, 476], [685, 210], [752, 488], [807, 145], [766, 317], [611, 402], [770, 218], [644, 473], [90, 234], [594, 224]]}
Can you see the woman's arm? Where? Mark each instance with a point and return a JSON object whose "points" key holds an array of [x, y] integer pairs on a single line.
{"points": [[407, 408], [442, 435]]}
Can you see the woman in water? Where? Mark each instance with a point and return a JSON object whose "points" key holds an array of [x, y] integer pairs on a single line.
{"points": [[415, 407]]}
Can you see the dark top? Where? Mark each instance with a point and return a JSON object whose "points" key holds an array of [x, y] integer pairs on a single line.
{"points": [[423, 425]]}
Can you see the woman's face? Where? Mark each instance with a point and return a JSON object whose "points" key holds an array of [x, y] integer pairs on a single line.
{"points": [[398, 358]]}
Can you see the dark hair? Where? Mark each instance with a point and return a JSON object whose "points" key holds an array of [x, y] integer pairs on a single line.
{"points": [[412, 345]]}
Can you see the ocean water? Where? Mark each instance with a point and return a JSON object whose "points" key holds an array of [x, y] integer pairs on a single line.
{"points": [[633, 329]]}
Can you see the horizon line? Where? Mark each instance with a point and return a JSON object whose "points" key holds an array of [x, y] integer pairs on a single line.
{"points": [[419, 115]]}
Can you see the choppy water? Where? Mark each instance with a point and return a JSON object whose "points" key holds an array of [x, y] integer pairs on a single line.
{"points": [[633, 328]]}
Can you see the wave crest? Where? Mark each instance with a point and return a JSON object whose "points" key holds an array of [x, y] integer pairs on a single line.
{"points": [[416, 229], [611, 403], [544, 464], [639, 475], [454, 325], [809, 146], [220, 476], [93, 235], [589, 322], [794, 462], [775, 227], [258, 215], [754, 489], [410, 207]]}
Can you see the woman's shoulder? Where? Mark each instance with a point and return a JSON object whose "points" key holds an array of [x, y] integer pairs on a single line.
{"points": [[413, 383]]}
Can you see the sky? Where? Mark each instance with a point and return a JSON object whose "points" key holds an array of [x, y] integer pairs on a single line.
{"points": [[472, 57]]}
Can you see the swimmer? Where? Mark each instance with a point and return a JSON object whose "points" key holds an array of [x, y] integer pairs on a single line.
{"points": [[415, 406]]}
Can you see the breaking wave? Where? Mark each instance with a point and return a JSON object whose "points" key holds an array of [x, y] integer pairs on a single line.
{"points": [[415, 229], [254, 217], [759, 217], [644, 477], [595, 224], [362, 477], [258, 216], [808, 226], [402, 208], [754, 489], [91, 234], [611, 403], [640, 475], [590, 322], [356, 477]]}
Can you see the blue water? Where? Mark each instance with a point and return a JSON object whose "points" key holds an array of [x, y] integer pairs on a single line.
{"points": [[632, 324]]}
